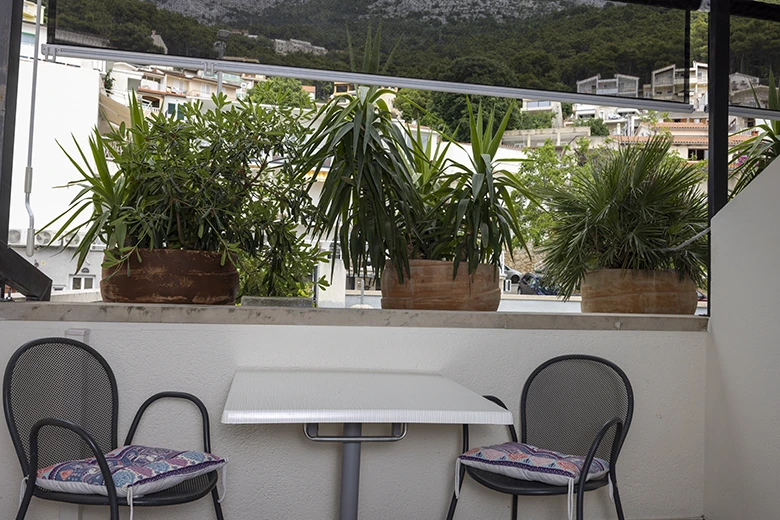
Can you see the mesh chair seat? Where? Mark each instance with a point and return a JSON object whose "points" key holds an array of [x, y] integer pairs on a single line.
{"points": [[187, 491], [513, 486]]}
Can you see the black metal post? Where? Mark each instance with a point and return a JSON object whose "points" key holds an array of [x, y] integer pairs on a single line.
{"points": [[14, 270], [719, 57], [10, 41], [687, 52]]}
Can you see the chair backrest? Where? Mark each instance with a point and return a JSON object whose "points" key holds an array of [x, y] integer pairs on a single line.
{"points": [[64, 379], [569, 399]]}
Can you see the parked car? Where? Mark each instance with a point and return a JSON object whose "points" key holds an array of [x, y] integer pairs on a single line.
{"points": [[534, 283], [512, 274]]}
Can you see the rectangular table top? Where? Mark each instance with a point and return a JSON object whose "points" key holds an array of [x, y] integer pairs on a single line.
{"points": [[314, 396]]}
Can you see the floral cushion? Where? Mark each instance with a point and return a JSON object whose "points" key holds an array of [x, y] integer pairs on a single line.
{"points": [[526, 462], [136, 471]]}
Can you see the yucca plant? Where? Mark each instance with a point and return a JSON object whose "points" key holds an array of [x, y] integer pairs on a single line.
{"points": [[368, 193], [750, 157], [388, 194], [633, 208], [471, 216]]}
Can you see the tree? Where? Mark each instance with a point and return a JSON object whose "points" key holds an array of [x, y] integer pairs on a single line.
{"points": [[546, 169], [280, 91], [597, 126], [535, 120], [452, 108]]}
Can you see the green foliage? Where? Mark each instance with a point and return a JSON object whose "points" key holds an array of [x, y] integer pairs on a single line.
{"points": [[284, 266], [452, 109], [368, 191], [597, 126], [478, 214], [203, 181], [752, 156], [630, 209], [534, 120], [281, 92], [108, 81], [390, 194], [544, 170]]}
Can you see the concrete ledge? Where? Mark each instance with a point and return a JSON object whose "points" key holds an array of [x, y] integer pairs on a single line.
{"points": [[129, 313]]}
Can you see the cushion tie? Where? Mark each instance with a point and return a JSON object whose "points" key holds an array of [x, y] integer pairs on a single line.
{"points": [[22, 489], [223, 482], [571, 499], [130, 501]]}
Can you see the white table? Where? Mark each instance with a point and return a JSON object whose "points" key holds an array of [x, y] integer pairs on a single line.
{"points": [[353, 399]]}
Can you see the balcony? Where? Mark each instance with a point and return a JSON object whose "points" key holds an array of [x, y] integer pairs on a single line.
{"points": [[705, 391]]}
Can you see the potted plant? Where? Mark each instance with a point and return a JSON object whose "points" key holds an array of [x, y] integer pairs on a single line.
{"points": [[172, 199], [394, 203], [628, 231]]}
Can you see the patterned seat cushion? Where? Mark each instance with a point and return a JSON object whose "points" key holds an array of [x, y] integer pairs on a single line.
{"points": [[136, 471], [526, 462]]}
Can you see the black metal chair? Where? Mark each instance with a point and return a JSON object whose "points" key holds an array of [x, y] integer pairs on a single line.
{"points": [[573, 404], [60, 401]]}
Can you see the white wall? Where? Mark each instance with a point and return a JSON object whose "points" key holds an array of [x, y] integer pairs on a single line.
{"points": [[275, 473], [743, 387], [67, 104]]}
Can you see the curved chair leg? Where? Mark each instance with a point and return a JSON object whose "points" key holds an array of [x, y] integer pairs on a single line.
{"points": [[514, 507], [217, 505], [618, 504], [453, 505], [580, 504], [28, 494]]}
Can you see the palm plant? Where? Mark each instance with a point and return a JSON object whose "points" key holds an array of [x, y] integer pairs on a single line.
{"points": [[752, 156], [633, 208]]}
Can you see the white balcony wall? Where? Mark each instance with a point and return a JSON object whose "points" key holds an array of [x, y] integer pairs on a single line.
{"points": [[275, 473], [743, 387]]}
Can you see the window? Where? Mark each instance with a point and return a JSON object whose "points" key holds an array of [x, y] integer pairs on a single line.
{"points": [[205, 89], [171, 109], [82, 282], [697, 155], [28, 39], [538, 104]]}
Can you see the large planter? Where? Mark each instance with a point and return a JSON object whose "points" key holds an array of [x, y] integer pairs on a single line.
{"points": [[172, 276], [430, 286], [637, 292]]}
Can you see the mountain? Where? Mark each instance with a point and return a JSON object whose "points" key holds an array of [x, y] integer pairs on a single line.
{"points": [[211, 11]]}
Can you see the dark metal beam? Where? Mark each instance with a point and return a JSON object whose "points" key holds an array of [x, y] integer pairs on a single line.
{"points": [[10, 40], [719, 69], [22, 276], [755, 9]]}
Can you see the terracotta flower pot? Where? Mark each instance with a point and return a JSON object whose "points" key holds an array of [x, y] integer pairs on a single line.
{"points": [[431, 287], [172, 276], [637, 292]]}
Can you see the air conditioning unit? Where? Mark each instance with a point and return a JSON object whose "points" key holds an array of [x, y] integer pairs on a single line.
{"points": [[16, 237], [73, 243], [43, 238]]}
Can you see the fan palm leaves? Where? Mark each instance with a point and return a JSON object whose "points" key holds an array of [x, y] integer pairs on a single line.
{"points": [[633, 208]]}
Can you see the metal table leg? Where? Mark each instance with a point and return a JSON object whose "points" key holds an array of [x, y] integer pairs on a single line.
{"points": [[350, 459], [350, 473]]}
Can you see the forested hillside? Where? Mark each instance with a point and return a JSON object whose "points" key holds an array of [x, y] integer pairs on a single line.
{"points": [[551, 50]]}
